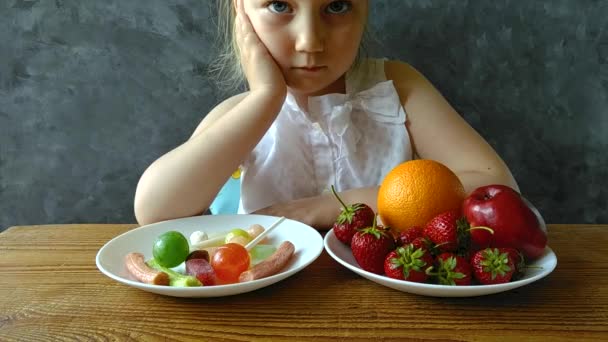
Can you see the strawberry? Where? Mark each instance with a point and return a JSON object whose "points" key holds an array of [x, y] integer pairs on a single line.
{"points": [[370, 247], [452, 269], [446, 230], [450, 232], [408, 263], [409, 235], [491, 266], [424, 243], [518, 260], [351, 218]]}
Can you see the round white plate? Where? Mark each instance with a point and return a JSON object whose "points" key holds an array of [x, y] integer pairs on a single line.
{"points": [[342, 254], [110, 258]]}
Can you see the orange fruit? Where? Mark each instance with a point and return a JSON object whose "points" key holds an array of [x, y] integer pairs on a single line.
{"points": [[414, 192]]}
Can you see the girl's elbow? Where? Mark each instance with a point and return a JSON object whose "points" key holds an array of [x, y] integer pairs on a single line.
{"points": [[144, 211], [510, 181], [148, 213], [505, 177], [143, 216]]}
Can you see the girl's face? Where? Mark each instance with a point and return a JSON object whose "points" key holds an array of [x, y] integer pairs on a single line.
{"points": [[314, 42]]}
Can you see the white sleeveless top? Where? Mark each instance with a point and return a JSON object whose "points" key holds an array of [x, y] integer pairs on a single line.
{"points": [[347, 140]]}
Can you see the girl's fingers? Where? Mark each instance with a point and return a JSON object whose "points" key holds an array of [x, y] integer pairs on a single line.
{"points": [[237, 5], [244, 29], [238, 24], [260, 69], [240, 13], [243, 19]]}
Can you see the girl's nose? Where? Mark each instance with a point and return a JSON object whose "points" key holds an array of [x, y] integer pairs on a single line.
{"points": [[309, 35]]}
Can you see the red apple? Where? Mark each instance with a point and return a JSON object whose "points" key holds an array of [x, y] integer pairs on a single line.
{"points": [[514, 223]]}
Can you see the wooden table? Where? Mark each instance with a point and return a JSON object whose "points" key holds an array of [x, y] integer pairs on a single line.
{"points": [[51, 288]]}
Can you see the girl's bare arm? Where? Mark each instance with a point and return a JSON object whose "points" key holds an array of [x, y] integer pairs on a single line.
{"points": [[438, 132], [185, 181]]}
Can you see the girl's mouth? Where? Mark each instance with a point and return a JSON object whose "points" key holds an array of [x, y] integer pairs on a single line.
{"points": [[311, 68]]}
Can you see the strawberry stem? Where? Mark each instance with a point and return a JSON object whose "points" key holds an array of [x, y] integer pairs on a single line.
{"points": [[535, 267], [445, 273], [495, 263], [333, 190]]}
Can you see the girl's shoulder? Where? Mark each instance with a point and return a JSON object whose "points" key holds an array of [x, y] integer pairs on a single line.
{"points": [[372, 71], [408, 81], [402, 73]]}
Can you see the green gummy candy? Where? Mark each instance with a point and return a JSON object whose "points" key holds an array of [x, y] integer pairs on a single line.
{"points": [[260, 252], [184, 281], [175, 278]]}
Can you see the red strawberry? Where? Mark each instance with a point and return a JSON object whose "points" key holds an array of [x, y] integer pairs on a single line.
{"points": [[452, 270], [409, 235], [491, 266], [351, 218], [450, 232], [518, 258], [370, 247], [408, 263], [424, 243], [446, 230]]}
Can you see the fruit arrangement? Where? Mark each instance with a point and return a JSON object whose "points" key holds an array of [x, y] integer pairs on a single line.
{"points": [[227, 258], [486, 238]]}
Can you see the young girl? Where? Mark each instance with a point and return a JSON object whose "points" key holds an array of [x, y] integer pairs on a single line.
{"points": [[315, 115]]}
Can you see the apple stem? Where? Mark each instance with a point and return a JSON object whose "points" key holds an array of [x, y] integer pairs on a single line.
{"points": [[333, 190], [484, 228]]}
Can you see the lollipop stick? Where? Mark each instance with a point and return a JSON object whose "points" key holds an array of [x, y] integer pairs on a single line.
{"points": [[259, 238]]}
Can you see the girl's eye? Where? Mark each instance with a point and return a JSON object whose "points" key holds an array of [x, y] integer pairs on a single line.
{"points": [[339, 7], [279, 7]]}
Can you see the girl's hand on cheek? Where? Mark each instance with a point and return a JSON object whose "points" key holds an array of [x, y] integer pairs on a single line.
{"points": [[261, 70]]}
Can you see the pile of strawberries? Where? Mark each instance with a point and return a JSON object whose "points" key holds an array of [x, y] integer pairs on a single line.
{"points": [[440, 252]]}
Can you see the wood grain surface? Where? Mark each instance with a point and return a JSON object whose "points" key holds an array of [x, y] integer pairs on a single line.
{"points": [[50, 289]]}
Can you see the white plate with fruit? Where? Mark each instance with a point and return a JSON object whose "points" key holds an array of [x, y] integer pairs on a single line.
{"points": [[343, 254], [497, 242], [133, 258]]}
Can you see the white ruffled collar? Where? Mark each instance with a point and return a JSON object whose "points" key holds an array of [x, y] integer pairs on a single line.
{"points": [[381, 101], [333, 112]]}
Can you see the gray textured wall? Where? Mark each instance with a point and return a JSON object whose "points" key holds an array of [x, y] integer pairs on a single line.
{"points": [[91, 92]]}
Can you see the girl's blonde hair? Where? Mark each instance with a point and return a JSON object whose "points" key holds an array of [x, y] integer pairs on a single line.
{"points": [[226, 69]]}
